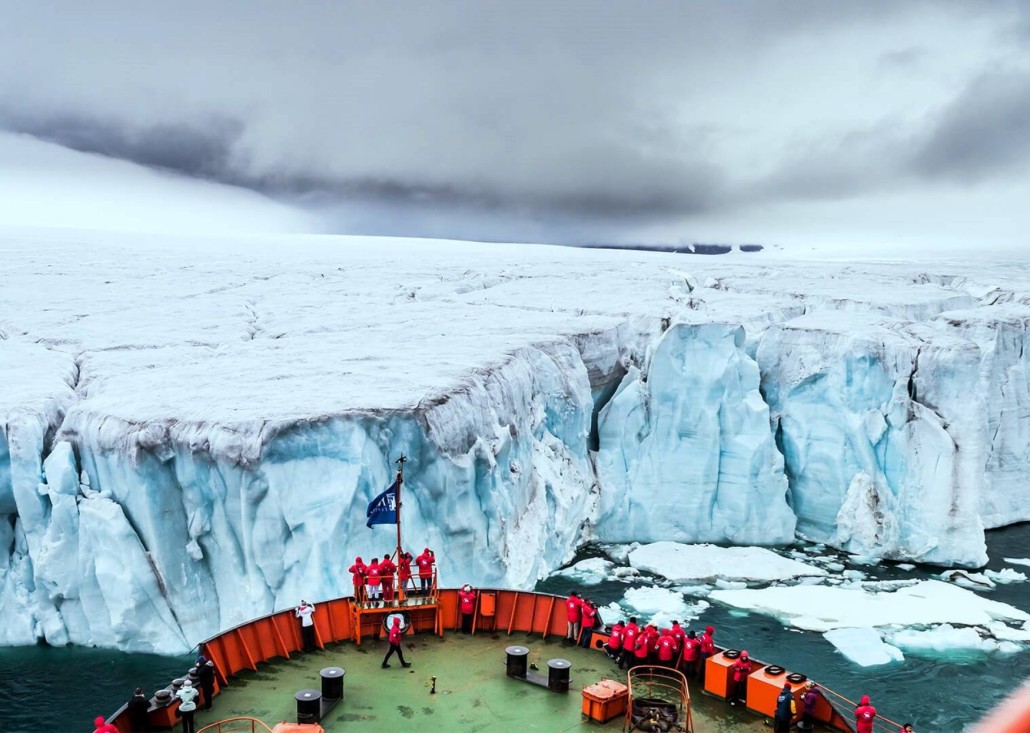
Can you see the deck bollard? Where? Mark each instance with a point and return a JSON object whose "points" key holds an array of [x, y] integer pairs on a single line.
{"points": [[558, 675], [332, 683], [516, 662], [309, 706]]}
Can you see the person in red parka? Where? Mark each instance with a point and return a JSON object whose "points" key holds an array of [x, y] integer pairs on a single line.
{"points": [[467, 599], [614, 646], [691, 654], [386, 571], [357, 575], [666, 649], [404, 573], [678, 633], [394, 638], [741, 669], [643, 649], [707, 649], [629, 643], [102, 726], [652, 637], [589, 613], [374, 582], [573, 615], [425, 563], [865, 714]]}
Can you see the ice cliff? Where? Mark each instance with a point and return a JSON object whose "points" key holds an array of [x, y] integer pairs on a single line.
{"points": [[189, 438]]}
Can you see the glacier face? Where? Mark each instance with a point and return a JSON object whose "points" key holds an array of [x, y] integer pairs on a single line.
{"points": [[686, 453], [883, 432], [190, 442]]}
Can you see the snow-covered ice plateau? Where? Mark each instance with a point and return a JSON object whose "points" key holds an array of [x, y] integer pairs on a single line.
{"points": [[190, 428]]}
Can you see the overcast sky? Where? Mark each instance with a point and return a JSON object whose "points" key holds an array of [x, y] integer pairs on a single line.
{"points": [[555, 121]]}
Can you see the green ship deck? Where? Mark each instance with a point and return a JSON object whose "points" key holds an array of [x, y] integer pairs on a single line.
{"points": [[472, 691]]}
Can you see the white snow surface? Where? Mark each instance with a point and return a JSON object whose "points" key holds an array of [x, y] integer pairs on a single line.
{"points": [[864, 646], [682, 563], [823, 608], [235, 402]]}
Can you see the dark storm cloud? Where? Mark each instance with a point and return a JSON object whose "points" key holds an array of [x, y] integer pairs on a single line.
{"points": [[547, 117], [983, 133], [199, 149]]}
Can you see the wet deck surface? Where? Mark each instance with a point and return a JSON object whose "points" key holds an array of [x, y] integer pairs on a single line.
{"points": [[472, 691]]}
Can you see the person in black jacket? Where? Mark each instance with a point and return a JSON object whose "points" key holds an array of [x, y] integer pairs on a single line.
{"points": [[138, 711], [785, 710], [206, 677]]}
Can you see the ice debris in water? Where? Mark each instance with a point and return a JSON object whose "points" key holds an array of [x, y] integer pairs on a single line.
{"points": [[590, 571], [681, 562], [864, 646], [661, 606], [946, 637], [966, 579], [618, 553], [823, 608], [1005, 575]]}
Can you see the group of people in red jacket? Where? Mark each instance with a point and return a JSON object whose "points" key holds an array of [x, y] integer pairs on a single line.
{"points": [[375, 583], [630, 644]]}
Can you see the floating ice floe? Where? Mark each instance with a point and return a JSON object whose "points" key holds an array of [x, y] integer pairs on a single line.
{"points": [[591, 571], [682, 563], [660, 606], [986, 579], [1005, 575], [1018, 560], [967, 579], [613, 612], [1003, 632], [946, 638], [619, 553], [823, 608], [864, 646]]}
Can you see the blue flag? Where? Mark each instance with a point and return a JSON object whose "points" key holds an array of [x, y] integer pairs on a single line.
{"points": [[383, 508]]}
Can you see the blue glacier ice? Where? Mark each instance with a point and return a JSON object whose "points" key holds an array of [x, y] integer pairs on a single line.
{"points": [[187, 445], [686, 453], [884, 435]]}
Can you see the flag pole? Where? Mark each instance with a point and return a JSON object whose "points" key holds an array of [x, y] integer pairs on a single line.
{"points": [[400, 480]]}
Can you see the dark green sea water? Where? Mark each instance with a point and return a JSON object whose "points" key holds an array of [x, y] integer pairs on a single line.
{"points": [[63, 689]]}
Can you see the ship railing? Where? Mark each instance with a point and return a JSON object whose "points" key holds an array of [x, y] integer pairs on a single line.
{"points": [[846, 708], [661, 687], [236, 725], [400, 594]]}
